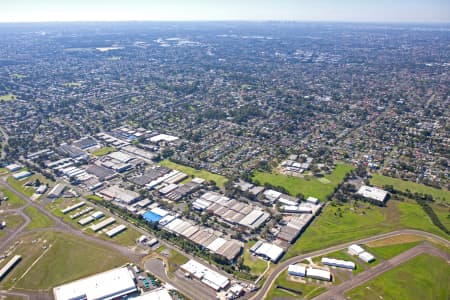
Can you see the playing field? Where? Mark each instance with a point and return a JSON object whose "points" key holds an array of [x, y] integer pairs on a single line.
{"points": [[218, 179], [423, 277], [58, 258], [320, 188], [403, 185]]}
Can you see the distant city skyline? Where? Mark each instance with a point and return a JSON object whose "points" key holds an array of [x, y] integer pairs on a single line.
{"points": [[412, 11]]}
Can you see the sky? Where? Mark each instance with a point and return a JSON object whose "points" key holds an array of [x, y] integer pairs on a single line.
{"points": [[389, 11]]}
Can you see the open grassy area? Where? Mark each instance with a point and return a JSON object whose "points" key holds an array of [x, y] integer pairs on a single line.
{"points": [[340, 224], [8, 97], [308, 186], [67, 259], [423, 277], [103, 151], [12, 221], [403, 185], [72, 84], [38, 219], [18, 185], [27, 190], [218, 179], [306, 291], [257, 266], [13, 201], [389, 251], [176, 259]]}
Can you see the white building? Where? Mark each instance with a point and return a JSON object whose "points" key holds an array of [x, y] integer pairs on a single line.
{"points": [[338, 263], [272, 195], [111, 284], [268, 251], [297, 270], [373, 193], [366, 256], [318, 274], [355, 249], [206, 275]]}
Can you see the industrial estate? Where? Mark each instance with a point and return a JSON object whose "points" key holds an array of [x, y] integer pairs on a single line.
{"points": [[242, 161]]}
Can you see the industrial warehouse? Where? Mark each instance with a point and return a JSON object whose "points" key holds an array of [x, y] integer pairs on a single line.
{"points": [[242, 215]]}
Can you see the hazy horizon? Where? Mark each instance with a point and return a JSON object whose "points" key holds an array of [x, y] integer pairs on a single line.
{"points": [[345, 11]]}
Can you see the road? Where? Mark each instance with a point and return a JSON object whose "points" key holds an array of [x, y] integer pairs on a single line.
{"points": [[262, 293], [64, 227], [338, 291]]}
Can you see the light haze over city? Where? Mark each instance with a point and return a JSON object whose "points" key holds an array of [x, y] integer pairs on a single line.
{"points": [[411, 11]]}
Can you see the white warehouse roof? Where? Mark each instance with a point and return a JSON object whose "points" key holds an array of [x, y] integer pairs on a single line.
{"points": [[206, 275], [107, 285], [297, 270], [355, 249], [318, 274], [270, 251], [372, 193]]}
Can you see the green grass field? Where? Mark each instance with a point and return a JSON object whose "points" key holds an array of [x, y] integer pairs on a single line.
{"points": [[390, 251], [308, 186], [423, 277], [403, 185], [38, 219], [69, 258], [257, 266], [8, 97], [218, 179], [308, 290], [103, 151], [27, 190], [12, 221], [13, 201], [330, 228], [176, 259], [18, 185]]}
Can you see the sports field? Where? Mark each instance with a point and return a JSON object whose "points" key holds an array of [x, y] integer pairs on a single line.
{"points": [[218, 179], [423, 277], [308, 186]]}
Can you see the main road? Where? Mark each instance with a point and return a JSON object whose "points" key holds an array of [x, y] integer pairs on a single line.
{"points": [[263, 291]]}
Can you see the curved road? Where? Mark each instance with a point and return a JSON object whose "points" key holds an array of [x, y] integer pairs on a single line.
{"points": [[337, 292], [262, 293], [59, 224]]}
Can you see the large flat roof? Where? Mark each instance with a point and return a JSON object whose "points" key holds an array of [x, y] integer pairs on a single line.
{"points": [[107, 285]]}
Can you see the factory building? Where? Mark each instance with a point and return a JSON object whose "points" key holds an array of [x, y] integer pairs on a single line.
{"points": [[373, 193], [111, 284], [57, 191], [207, 276], [119, 195], [267, 251]]}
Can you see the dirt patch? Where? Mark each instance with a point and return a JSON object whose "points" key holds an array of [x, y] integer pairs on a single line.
{"points": [[394, 240]]}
